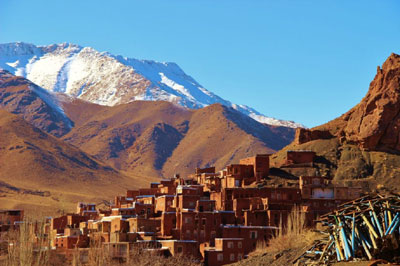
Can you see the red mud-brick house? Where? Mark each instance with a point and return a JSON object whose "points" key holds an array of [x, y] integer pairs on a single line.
{"points": [[168, 224], [187, 248], [299, 158], [316, 187], [67, 221], [141, 224], [164, 203], [10, 218], [224, 199], [199, 226], [209, 178], [209, 214], [119, 225], [167, 187], [125, 212], [250, 234], [225, 251], [260, 164], [238, 175], [71, 241], [321, 195], [205, 205], [87, 209], [186, 201]]}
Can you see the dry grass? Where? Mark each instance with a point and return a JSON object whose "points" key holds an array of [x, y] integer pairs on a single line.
{"points": [[294, 235], [149, 259], [98, 256], [31, 246], [25, 251]]}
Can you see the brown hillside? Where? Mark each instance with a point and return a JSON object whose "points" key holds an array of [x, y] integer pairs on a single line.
{"points": [[20, 96], [137, 137], [364, 142], [159, 138], [39, 169], [218, 136]]}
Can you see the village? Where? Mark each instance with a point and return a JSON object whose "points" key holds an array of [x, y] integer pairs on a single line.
{"points": [[217, 217]]}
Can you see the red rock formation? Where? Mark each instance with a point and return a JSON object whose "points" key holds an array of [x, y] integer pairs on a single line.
{"points": [[304, 135], [375, 122]]}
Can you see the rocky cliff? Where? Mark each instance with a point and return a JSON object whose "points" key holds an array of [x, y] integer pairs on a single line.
{"points": [[363, 143]]}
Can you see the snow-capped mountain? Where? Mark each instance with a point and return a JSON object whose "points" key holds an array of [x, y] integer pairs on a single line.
{"points": [[106, 79]]}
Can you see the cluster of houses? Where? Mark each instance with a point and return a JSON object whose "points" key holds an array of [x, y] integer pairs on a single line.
{"points": [[216, 217]]}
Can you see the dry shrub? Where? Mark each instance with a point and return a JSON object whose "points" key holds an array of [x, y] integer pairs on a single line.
{"points": [[28, 245], [98, 255], [148, 259], [261, 247], [140, 256], [295, 235]]}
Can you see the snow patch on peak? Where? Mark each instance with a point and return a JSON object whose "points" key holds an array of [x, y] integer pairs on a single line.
{"points": [[19, 49], [179, 88], [106, 79], [52, 100]]}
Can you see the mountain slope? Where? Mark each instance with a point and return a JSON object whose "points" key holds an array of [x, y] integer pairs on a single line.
{"points": [[34, 104], [362, 144], [159, 138], [37, 165], [218, 136], [128, 136], [106, 79]]}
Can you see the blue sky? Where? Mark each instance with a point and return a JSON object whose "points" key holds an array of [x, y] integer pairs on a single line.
{"points": [[307, 61]]}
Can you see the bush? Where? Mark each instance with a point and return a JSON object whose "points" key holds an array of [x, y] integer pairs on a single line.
{"points": [[295, 235]]}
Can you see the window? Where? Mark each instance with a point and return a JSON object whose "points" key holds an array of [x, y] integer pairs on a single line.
{"points": [[240, 244], [253, 234], [188, 220], [220, 257], [232, 257], [237, 183], [203, 221], [179, 249], [191, 204], [230, 244], [188, 233], [240, 256]]}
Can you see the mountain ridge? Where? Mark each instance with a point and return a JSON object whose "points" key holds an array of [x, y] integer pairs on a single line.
{"points": [[160, 139], [106, 79]]}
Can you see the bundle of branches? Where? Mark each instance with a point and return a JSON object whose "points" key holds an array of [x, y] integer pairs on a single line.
{"points": [[365, 228]]}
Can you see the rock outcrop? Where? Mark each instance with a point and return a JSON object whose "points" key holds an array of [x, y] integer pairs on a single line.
{"points": [[304, 135], [374, 123]]}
